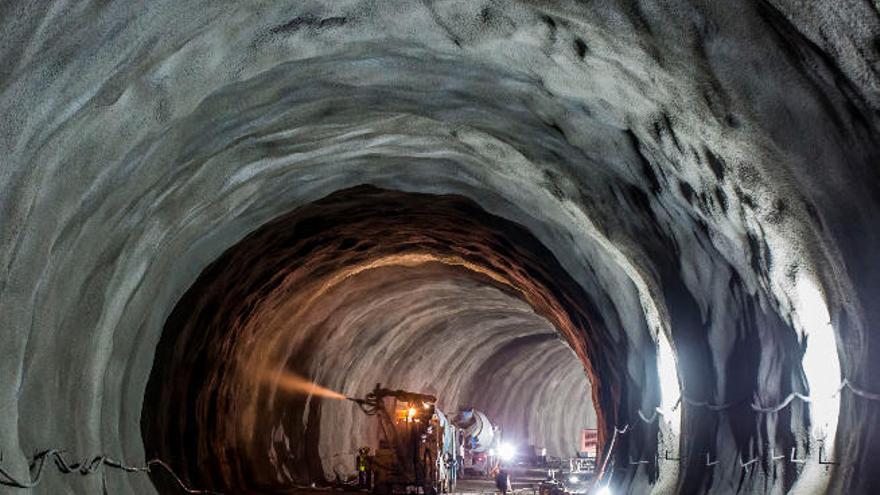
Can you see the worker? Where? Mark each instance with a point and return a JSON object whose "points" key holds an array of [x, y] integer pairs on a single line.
{"points": [[502, 481], [363, 467], [452, 467], [461, 459]]}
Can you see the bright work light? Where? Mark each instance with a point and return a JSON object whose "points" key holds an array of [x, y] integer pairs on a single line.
{"points": [[506, 451]]}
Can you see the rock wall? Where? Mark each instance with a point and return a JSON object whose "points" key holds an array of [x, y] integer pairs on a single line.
{"points": [[705, 172], [418, 292]]}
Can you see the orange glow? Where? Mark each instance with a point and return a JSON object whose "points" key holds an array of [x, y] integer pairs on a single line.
{"points": [[295, 384], [408, 260]]}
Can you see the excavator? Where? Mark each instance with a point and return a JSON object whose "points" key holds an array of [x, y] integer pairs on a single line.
{"points": [[416, 442]]}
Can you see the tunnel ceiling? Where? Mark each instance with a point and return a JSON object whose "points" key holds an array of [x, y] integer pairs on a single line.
{"points": [[702, 175], [421, 292]]}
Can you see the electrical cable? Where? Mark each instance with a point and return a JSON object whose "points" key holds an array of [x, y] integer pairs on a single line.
{"points": [[89, 466], [94, 464], [782, 405], [845, 384], [860, 392], [653, 417], [713, 407], [617, 432]]}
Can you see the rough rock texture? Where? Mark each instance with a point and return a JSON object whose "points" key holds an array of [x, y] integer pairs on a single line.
{"points": [[418, 292], [706, 172]]}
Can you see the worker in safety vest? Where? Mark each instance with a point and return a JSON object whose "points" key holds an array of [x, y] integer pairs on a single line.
{"points": [[363, 467]]}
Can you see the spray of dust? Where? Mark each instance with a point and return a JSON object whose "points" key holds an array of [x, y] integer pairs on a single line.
{"points": [[295, 384]]}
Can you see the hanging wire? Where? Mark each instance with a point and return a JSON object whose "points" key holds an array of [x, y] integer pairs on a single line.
{"points": [[657, 412], [861, 393], [653, 417], [92, 465], [712, 407], [782, 405], [86, 467], [617, 431], [756, 406]]}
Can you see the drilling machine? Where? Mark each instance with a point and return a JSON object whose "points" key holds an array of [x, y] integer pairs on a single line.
{"points": [[414, 442]]}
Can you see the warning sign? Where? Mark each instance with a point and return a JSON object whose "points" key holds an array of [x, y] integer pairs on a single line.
{"points": [[589, 441]]}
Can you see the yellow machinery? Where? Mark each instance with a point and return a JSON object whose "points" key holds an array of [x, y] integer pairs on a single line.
{"points": [[411, 450]]}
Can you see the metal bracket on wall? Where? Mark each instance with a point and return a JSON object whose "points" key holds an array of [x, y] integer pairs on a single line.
{"points": [[774, 458], [822, 460], [666, 456]]}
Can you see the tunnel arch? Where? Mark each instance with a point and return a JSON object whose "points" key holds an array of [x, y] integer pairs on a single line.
{"points": [[210, 400], [705, 170]]}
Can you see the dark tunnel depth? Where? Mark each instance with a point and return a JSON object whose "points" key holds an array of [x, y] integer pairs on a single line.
{"points": [[273, 302]]}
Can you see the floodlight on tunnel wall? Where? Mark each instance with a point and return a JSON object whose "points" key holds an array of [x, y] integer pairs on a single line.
{"points": [[820, 363], [667, 365], [821, 367], [670, 389]]}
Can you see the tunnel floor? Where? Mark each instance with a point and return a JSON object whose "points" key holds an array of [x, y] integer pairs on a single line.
{"points": [[524, 481]]}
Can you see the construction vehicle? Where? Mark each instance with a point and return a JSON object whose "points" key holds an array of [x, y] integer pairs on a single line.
{"points": [[416, 442], [480, 440]]}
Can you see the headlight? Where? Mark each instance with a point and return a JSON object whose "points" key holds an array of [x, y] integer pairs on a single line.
{"points": [[506, 451], [575, 479]]}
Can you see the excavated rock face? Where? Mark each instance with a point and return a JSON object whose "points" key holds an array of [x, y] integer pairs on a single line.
{"points": [[417, 292], [678, 197]]}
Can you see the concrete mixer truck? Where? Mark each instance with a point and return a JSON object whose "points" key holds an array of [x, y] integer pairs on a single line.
{"points": [[479, 441]]}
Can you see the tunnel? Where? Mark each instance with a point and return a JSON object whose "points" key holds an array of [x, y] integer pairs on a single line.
{"points": [[655, 219], [415, 291]]}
